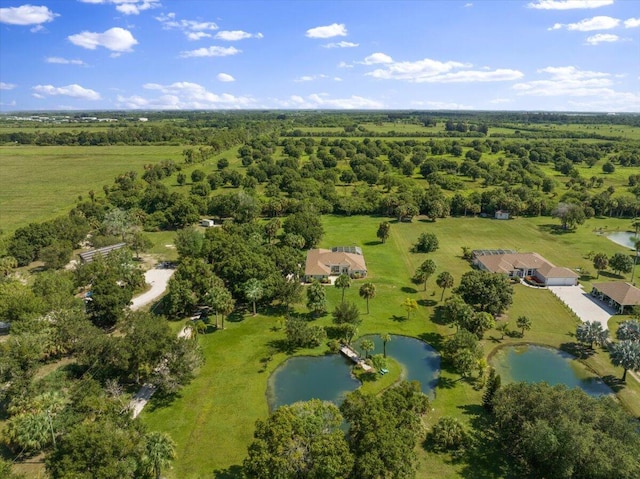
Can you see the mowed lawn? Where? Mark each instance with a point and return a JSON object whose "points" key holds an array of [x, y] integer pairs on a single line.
{"points": [[38, 183], [213, 418]]}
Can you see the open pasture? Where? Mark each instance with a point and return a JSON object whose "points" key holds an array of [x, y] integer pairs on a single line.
{"points": [[38, 183]]}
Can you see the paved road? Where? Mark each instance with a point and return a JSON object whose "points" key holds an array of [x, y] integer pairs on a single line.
{"points": [[158, 279], [586, 307]]}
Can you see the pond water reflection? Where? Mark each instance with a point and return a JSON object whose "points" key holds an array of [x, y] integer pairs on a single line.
{"points": [[329, 377], [530, 363]]}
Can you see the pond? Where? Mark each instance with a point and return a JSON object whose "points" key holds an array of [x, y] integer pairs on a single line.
{"points": [[309, 377], [329, 377], [529, 363], [623, 238], [420, 362]]}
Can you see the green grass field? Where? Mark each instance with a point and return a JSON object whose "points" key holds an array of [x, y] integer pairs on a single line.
{"points": [[41, 182], [213, 418]]}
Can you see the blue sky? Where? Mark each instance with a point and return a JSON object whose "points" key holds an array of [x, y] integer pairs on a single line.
{"points": [[557, 55]]}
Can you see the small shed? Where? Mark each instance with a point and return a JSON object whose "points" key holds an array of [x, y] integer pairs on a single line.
{"points": [[502, 215], [207, 223]]}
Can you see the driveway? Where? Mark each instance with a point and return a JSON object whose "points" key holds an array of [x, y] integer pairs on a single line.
{"points": [[583, 304], [158, 279]]}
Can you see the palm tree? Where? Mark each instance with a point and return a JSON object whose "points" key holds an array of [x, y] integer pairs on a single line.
{"points": [[600, 262], [626, 354], [523, 323], [503, 328], [444, 281], [160, 450], [367, 346], [221, 301], [386, 337], [368, 291], [343, 281], [253, 290]]}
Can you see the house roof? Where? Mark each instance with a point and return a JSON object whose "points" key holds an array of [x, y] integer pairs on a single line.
{"points": [[504, 263], [319, 261], [624, 294]]}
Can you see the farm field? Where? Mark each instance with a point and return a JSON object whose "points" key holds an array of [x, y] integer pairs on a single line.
{"points": [[38, 183], [217, 411]]}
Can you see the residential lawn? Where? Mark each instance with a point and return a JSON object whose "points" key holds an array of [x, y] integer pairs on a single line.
{"points": [[212, 420]]}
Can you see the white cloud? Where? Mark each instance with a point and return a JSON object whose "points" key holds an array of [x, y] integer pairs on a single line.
{"points": [[115, 39], [337, 79], [344, 65], [595, 89], [602, 38], [307, 78], [589, 24], [213, 51], [434, 71], [235, 35], [26, 15], [128, 7], [632, 23], [328, 31], [197, 35], [498, 101], [183, 96], [6, 86], [63, 61], [342, 44], [193, 30], [568, 4], [323, 101], [74, 91], [467, 5], [225, 77], [377, 58]]}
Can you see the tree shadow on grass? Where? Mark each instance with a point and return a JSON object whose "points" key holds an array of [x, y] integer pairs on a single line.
{"points": [[427, 302], [615, 383], [555, 229], [610, 274], [446, 383], [373, 243], [408, 290], [281, 346], [368, 377], [231, 472], [399, 319], [438, 316], [236, 317], [578, 350], [161, 400]]}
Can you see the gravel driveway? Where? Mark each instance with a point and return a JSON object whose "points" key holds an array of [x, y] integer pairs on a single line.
{"points": [[583, 304], [158, 279]]}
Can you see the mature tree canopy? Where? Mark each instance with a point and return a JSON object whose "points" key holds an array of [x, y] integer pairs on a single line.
{"points": [[306, 224], [490, 292], [384, 430], [555, 432], [300, 440]]}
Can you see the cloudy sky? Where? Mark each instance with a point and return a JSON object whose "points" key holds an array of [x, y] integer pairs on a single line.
{"points": [[567, 55]]}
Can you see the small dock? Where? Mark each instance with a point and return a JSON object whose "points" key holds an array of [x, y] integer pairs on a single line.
{"points": [[351, 354]]}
